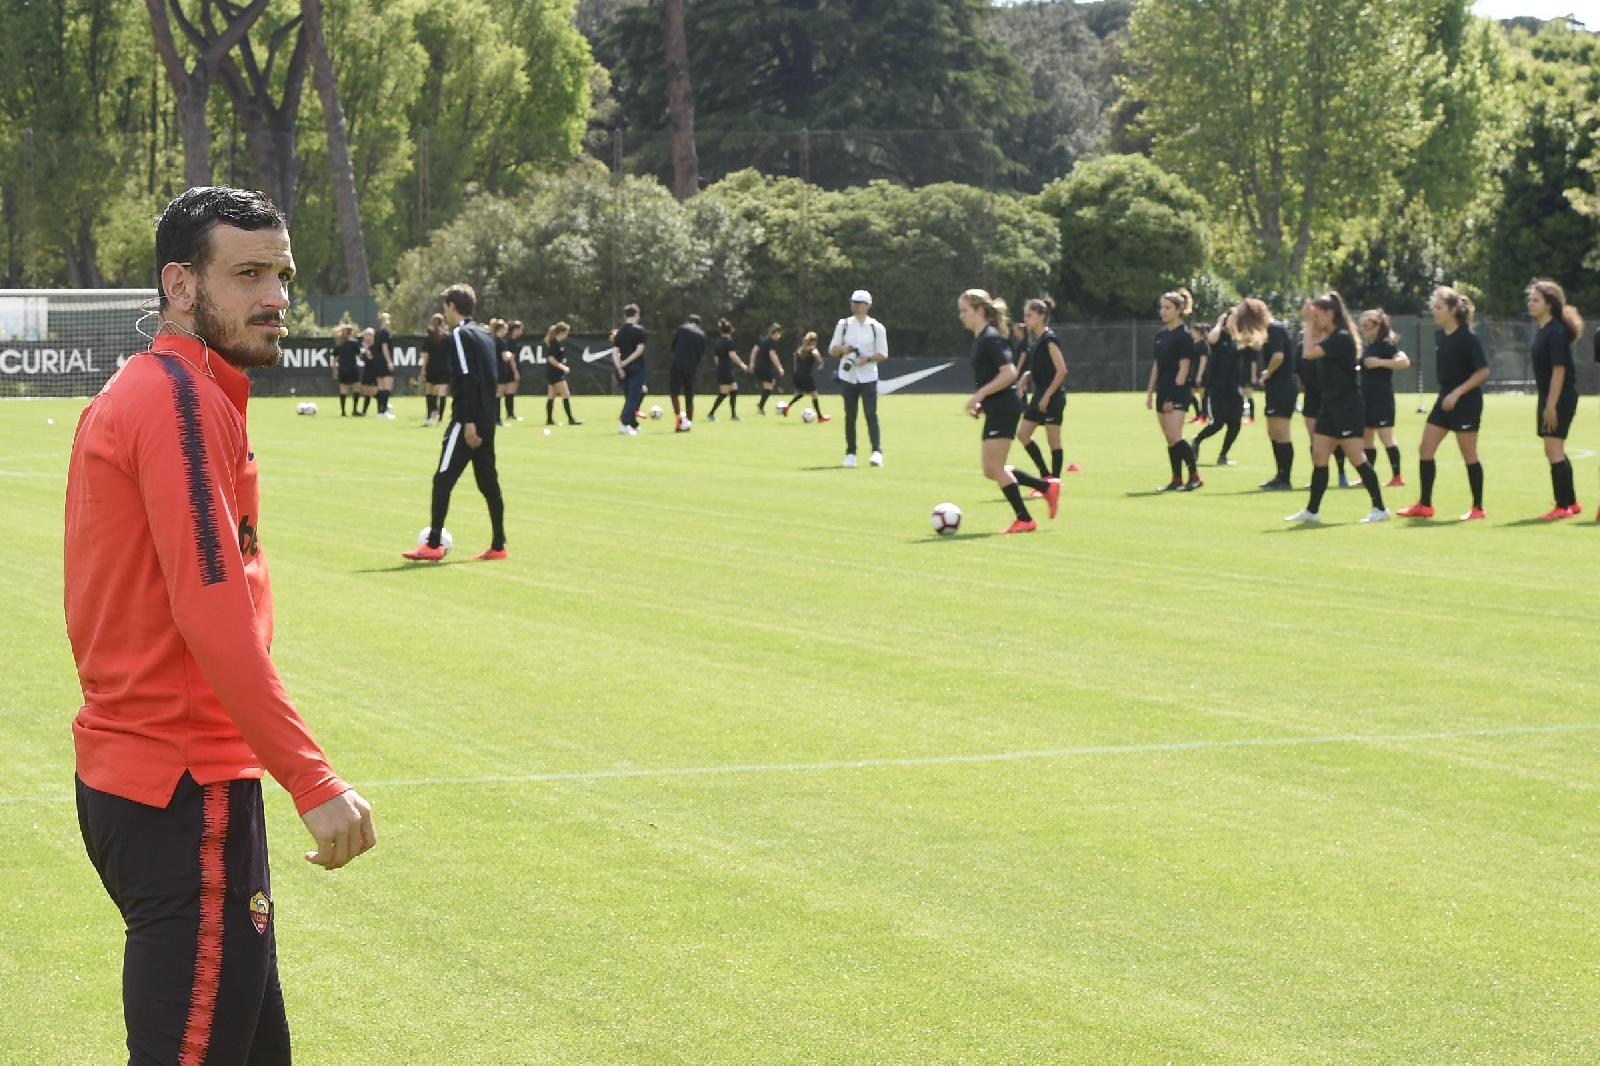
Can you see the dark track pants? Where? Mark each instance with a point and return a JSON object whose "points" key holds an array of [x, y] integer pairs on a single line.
{"points": [[200, 965], [632, 397], [866, 396], [453, 460]]}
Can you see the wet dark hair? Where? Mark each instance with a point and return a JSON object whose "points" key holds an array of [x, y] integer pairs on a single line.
{"points": [[724, 326], [630, 311], [183, 229]]}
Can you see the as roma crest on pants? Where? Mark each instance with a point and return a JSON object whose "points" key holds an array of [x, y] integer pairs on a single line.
{"points": [[261, 912]]}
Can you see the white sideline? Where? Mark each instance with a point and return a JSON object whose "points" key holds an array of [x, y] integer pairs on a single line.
{"points": [[985, 757], [935, 760]]}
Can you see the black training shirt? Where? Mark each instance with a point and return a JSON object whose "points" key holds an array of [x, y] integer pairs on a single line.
{"points": [[348, 353], [629, 337], [990, 352], [1172, 346], [724, 350], [688, 345], [1340, 374], [1552, 347], [1042, 366], [1457, 356], [1222, 366], [1379, 380]]}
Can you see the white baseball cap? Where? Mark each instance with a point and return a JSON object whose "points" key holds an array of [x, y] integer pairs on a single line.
{"points": [[861, 296]]}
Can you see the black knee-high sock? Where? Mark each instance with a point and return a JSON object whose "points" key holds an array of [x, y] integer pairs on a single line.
{"points": [[1567, 493], [1394, 458], [342, 398], [761, 404], [797, 398], [1175, 460], [1428, 468], [1186, 452], [733, 403], [1056, 456], [718, 401], [1371, 454], [1369, 481], [1287, 461], [1555, 484], [383, 400], [366, 404], [1014, 497], [1228, 439], [1475, 479], [1029, 480], [566, 404], [816, 404], [1319, 485], [550, 411], [688, 406], [1339, 455], [511, 406], [1037, 455]]}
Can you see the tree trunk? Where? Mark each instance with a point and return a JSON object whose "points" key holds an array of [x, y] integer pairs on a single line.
{"points": [[344, 177], [680, 104], [192, 88], [271, 128]]}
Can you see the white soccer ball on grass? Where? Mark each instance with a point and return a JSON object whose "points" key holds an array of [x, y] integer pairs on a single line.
{"points": [[445, 539], [946, 519]]}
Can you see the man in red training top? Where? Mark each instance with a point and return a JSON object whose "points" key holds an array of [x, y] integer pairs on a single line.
{"points": [[169, 612]]}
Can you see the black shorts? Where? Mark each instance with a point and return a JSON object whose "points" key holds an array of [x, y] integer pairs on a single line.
{"points": [[1179, 396], [765, 381], [1051, 414], [504, 376], [1379, 408], [1001, 422], [349, 377], [1281, 395], [680, 379], [724, 376], [1311, 403], [369, 376], [553, 376], [437, 377], [191, 882], [1343, 419], [1566, 410], [1466, 418], [805, 383]]}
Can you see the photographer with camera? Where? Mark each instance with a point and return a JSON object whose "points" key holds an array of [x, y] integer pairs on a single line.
{"points": [[861, 343]]}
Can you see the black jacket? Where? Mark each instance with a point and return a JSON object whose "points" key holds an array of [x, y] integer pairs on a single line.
{"points": [[473, 375]]}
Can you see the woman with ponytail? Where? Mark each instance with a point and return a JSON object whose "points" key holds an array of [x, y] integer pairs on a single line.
{"points": [[1330, 355], [1047, 374], [1463, 367], [1380, 358], [556, 369], [1220, 375], [1265, 340], [1554, 372], [1168, 392], [994, 373]]}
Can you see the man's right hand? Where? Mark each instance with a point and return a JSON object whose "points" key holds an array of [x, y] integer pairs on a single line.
{"points": [[342, 828], [470, 432]]}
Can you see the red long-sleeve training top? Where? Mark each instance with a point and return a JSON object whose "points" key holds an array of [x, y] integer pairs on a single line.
{"points": [[168, 604]]}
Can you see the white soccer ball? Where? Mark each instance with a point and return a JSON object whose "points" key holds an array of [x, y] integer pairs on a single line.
{"points": [[946, 519], [808, 415], [684, 423], [305, 407], [445, 539], [655, 410]]}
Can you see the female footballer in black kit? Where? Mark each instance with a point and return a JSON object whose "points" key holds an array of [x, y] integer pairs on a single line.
{"points": [[1168, 393], [435, 369], [1463, 367], [807, 361], [1380, 358], [994, 373], [1277, 381], [1310, 378], [1047, 376], [1197, 375], [1554, 372], [371, 369], [556, 370], [347, 367], [1330, 354], [766, 364], [1221, 379], [727, 357], [509, 360]]}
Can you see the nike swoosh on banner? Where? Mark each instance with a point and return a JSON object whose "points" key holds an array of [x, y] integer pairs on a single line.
{"points": [[887, 385], [595, 357]]}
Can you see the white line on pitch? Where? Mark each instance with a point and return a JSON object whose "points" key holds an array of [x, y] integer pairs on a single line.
{"points": [[986, 757], [941, 760]]}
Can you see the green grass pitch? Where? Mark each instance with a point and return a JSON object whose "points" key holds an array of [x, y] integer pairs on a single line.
{"points": [[735, 762]]}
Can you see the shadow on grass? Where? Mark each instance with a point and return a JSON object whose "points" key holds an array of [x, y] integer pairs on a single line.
{"points": [[937, 539], [406, 565]]}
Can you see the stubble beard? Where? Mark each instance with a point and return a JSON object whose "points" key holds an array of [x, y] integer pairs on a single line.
{"points": [[235, 343]]}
